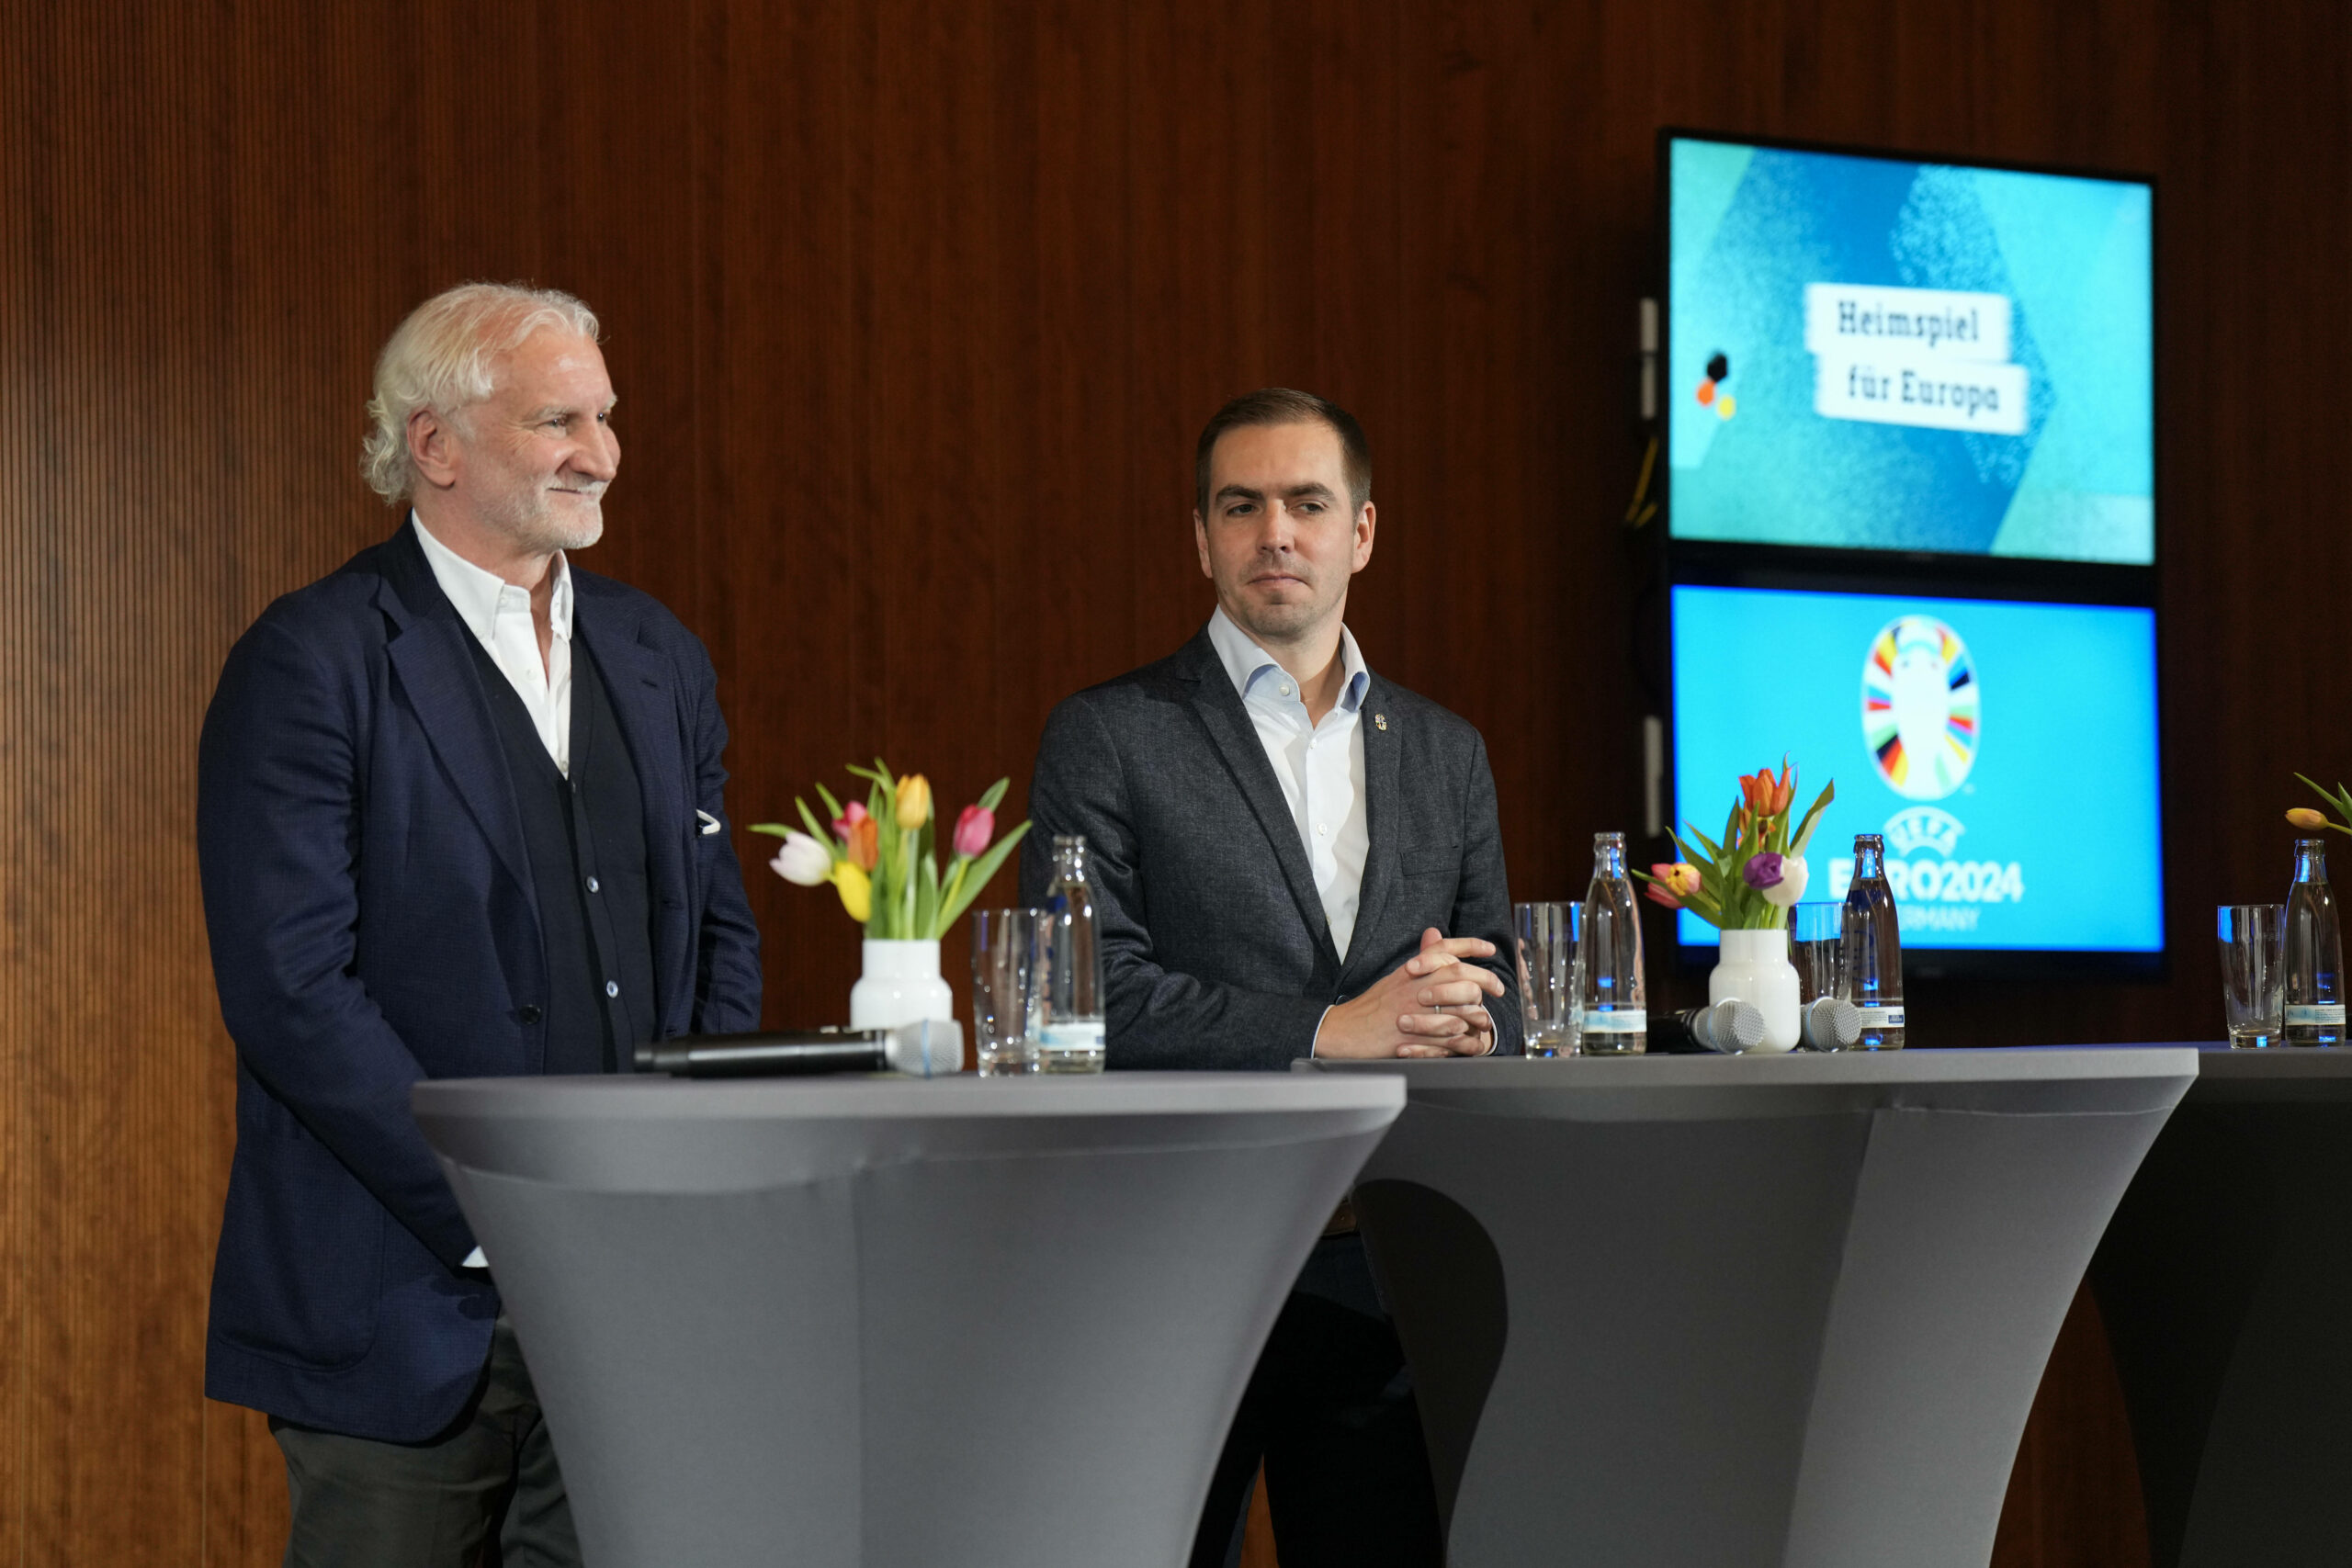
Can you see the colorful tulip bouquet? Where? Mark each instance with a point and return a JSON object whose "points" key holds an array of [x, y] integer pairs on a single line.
{"points": [[881, 859], [1751, 880]]}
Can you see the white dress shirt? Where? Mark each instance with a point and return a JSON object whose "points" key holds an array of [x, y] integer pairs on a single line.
{"points": [[1320, 766], [499, 615]]}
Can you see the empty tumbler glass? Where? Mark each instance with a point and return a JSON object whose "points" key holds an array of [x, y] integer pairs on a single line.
{"points": [[1816, 934], [2254, 972], [1004, 991], [1547, 975]]}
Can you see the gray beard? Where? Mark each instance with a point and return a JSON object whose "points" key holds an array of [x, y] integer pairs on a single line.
{"points": [[535, 526]]}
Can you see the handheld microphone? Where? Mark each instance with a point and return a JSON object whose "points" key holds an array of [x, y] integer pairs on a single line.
{"points": [[1731, 1026], [925, 1049], [1829, 1024]]}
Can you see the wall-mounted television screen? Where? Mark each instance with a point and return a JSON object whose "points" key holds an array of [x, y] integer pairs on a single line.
{"points": [[2006, 750], [1876, 354]]}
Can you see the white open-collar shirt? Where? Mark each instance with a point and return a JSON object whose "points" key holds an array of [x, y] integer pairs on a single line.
{"points": [[1320, 766], [499, 615]]}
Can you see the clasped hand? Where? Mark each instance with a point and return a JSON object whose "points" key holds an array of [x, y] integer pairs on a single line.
{"points": [[1433, 1004]]}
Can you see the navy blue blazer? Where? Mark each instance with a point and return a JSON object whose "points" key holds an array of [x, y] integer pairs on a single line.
{"points": [[373, 922]]}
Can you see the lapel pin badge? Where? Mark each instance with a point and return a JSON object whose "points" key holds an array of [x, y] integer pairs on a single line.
{"points": [[1380, 721]]}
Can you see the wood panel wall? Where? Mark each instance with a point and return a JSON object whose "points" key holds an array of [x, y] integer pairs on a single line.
{"points": [[915, 306]]}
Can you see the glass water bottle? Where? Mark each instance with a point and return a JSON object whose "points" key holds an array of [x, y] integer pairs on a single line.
{"points": [[1872, 949], [1069, 1037], [1608, 950], [2314, 955]]}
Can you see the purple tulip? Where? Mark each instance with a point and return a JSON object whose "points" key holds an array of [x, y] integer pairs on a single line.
{"points": [[1761, 871]]}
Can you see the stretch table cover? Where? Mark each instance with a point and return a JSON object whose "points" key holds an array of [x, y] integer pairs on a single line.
{"points": [[896, 1323], [1688, 1311], [2225, 1283]]}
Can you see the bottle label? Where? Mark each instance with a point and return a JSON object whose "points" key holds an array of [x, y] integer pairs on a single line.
{"points": [[1881, 1018], [2307, 1014], [1078, 1034], [1618, 1021]]}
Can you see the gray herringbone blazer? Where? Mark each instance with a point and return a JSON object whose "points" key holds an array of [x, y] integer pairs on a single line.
{"points": [[1214, 946]]}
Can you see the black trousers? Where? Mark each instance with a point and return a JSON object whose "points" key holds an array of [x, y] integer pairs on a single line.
{"points": [[1330, 1413], [485, 1494]]}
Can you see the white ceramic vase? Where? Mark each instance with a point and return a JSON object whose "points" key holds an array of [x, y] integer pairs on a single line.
{"points": [[901, 984], [1755, 967]]}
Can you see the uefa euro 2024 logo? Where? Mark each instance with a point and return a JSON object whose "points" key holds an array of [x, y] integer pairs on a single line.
{"points": [[1922, 719], [1920, 707]]}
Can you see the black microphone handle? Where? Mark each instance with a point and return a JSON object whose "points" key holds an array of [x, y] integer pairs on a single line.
{"points": [[765, 1055]]}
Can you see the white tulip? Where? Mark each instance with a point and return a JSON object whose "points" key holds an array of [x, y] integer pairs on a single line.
{"points": [[803, 861], [1784, 893]]}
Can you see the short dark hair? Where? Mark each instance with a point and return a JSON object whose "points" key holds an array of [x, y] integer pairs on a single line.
{"points": [[1280, 405]]}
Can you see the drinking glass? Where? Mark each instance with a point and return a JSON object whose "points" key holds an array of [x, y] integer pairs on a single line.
{"points": [[1548, 986], [1816, 947], [2252, 975], [1004, 990]]}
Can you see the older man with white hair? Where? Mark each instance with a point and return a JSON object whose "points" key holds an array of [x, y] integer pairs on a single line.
{"points": [[459, 813]]}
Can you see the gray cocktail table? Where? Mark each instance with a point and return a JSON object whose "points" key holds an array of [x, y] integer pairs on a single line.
{"points": [[1684, 1311], [2225, 1282], [993, 1324]]}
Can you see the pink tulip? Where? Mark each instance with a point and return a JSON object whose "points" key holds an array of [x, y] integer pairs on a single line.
{"points": [[974, 827], [847, 823]]}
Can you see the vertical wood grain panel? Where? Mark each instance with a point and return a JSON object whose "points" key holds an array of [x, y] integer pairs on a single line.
{"points": [[914, 307]]}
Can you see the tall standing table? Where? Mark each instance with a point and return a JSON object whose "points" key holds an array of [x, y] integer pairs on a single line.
{"points": [[1686, 1312], [997, 1324], [2226, 1286]]}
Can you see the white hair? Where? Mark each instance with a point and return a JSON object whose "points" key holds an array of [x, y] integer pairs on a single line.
{"points": [[441, 359]]}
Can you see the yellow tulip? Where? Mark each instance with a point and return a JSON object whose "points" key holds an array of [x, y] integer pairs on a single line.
{"points": [[915, 801], [856, 889], [2305, 817]]}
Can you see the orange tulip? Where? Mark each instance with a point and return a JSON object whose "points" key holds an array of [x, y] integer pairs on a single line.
{"points": [[1765, 795], [2305, 817], [862, 845]]}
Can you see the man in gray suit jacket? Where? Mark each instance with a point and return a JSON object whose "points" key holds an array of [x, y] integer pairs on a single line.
{"points": [[1291, 857]]}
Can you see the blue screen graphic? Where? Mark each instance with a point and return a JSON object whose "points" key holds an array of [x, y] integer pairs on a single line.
{"points": [[2007, 751], [1879, 354]]}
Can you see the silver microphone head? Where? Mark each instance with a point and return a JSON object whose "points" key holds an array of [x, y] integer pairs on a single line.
{"points": [[1830, 1024], [1734, 1026], [928, 1048]]}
